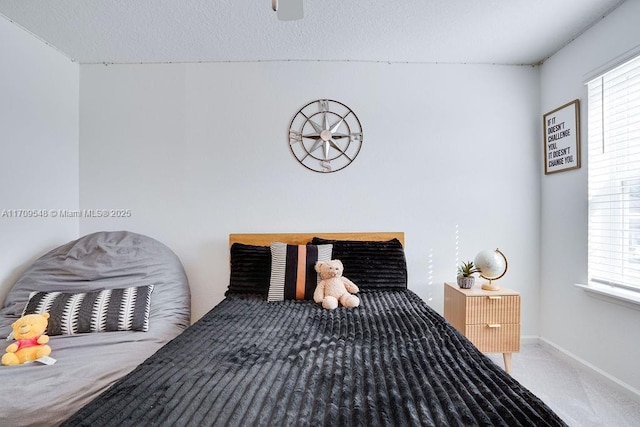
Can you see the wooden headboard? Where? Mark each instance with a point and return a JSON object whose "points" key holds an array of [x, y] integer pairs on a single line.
{"points": [[264, 239]]}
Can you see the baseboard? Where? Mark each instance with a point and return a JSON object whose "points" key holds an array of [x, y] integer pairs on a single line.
{"points": [[610, 378], [529, 340]]}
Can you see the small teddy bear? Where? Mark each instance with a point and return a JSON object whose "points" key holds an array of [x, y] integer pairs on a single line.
{"points": [[30, 340], [334, 288]]}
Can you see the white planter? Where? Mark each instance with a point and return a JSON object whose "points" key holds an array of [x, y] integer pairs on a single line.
{"points": [[466, 282]]}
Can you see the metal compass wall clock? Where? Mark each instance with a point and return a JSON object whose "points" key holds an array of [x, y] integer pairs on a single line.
{"points": [[325, 136]]}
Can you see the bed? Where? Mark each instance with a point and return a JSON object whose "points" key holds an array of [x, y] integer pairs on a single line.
{"points": [[263, 359], [88, 363]]}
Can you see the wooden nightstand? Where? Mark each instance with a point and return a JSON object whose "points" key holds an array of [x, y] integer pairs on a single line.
{"points": [[490, 319]]}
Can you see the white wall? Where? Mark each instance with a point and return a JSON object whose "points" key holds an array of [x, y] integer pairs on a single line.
{"points": [[198, 151], [39, 95], [601, 333]]}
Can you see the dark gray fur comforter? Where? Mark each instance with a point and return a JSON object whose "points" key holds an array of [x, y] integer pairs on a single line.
{"points": [[391, 361]]}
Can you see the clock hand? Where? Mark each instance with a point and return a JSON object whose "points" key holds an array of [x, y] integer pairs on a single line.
{"points": [[326, 122], [316, 145], [326, 149], [311, 135], [316, 126], [339, 135], [336, 147], [337, 125]]}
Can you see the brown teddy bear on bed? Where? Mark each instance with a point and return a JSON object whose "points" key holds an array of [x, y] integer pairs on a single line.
{"points": [[333, 288]]}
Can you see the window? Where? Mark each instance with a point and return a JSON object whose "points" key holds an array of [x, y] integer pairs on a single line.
{"points": [[614, 177]]}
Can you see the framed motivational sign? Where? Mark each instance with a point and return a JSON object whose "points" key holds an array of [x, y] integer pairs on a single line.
{"points": [[562, 138]]}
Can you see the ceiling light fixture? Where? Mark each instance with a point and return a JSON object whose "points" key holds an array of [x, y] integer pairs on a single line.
{"points": [[288, 10]]}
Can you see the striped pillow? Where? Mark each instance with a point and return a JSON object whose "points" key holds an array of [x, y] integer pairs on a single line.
{"points": [[293, 276], [108, 310]]}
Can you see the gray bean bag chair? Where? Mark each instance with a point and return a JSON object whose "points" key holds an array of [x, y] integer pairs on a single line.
{"points": [[91, 353]]}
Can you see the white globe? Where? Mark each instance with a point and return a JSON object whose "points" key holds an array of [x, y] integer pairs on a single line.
{"points": [[490, 263]]}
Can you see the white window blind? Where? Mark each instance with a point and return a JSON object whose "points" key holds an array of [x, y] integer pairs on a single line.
{"points": [[614, 177]]}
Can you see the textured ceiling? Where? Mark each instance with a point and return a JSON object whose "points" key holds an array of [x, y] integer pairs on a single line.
{"points": [[456, 31]]}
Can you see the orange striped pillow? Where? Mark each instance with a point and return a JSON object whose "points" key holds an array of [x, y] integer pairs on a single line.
{"points": [[293, 276]]}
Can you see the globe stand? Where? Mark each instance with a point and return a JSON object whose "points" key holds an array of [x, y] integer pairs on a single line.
{"points": [[490, 286]]}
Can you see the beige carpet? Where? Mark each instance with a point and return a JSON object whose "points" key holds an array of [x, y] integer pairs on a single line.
{"points": [[580, 396]]}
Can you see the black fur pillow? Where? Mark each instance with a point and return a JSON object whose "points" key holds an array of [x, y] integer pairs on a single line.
{"points": [[250, 269], [371, 264]]}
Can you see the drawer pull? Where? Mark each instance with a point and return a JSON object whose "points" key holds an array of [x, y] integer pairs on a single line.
{"points": [[494, 325], [494, 297]]}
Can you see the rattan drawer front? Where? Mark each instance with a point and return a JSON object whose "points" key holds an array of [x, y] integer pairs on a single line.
{"points": [[493, 309], [495, 338]]}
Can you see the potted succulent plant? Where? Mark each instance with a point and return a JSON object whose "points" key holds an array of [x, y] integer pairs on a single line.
{"points": [[465, 274]]}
